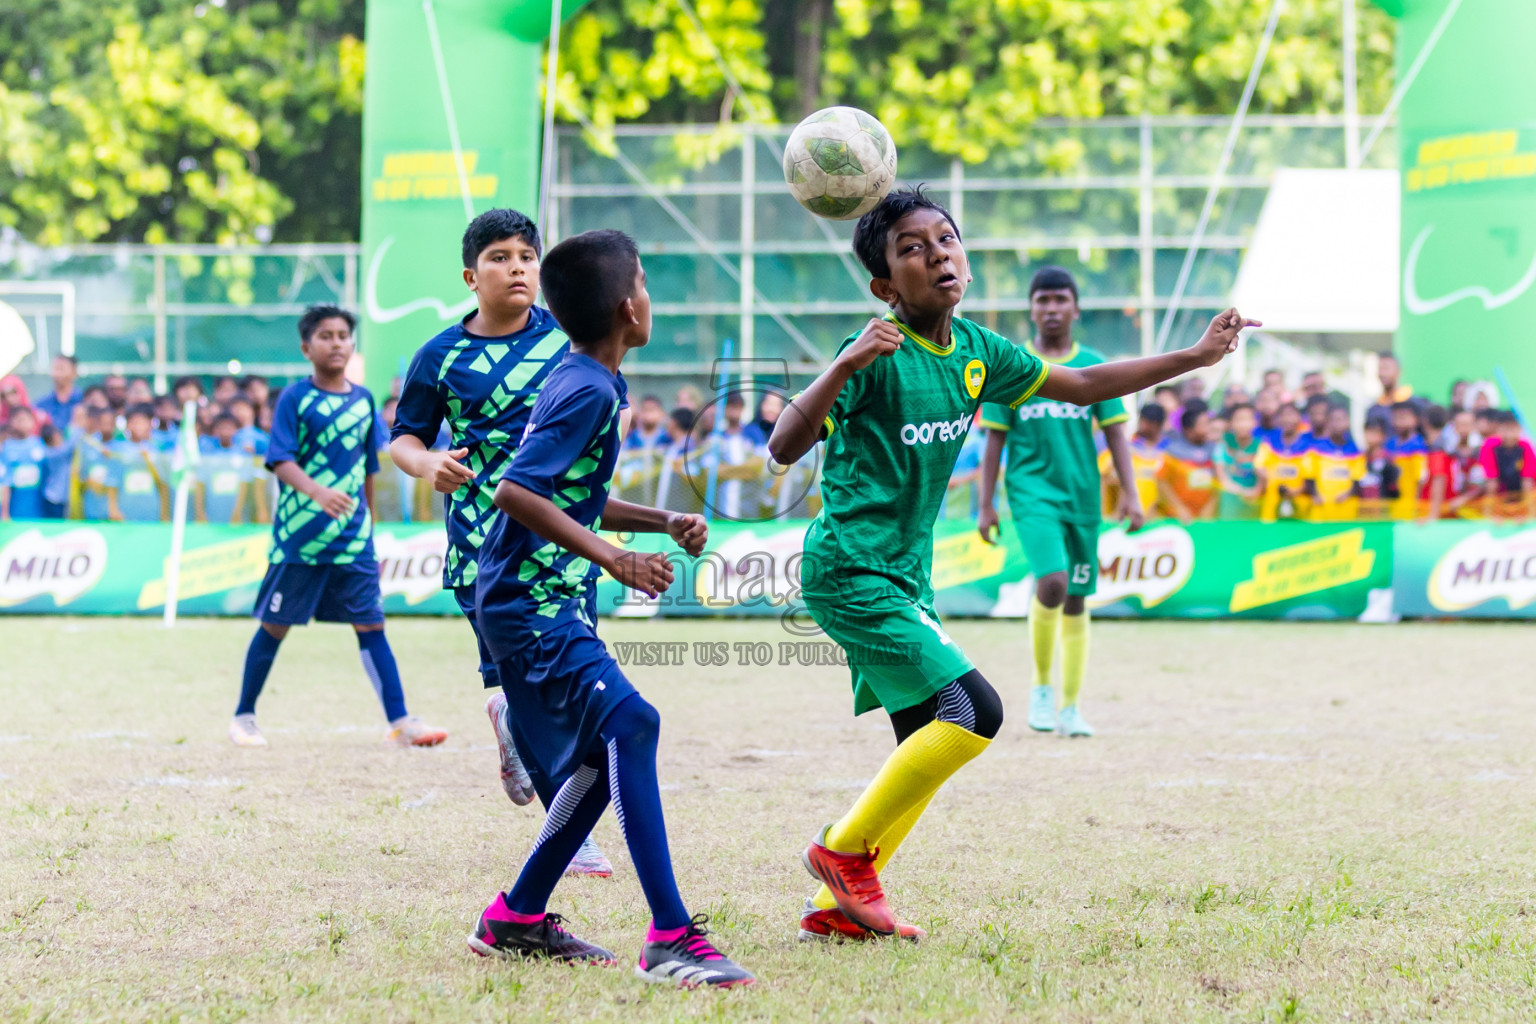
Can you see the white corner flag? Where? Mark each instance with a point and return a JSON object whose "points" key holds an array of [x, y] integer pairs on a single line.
{"points": [[183, 466]]}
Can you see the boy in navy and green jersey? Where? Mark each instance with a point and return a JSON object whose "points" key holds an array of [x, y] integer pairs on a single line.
{"points": [[534, 603], [1054, 496], [324, 453], [895, 406], [483, 375]]}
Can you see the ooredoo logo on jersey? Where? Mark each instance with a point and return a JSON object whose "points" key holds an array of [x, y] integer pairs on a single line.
{"points": [[943, 430]]}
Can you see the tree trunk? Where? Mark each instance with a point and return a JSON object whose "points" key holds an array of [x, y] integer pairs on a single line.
{"points": [[810, 24]]}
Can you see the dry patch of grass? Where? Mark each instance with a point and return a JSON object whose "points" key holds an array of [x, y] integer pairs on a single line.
{"points": [[1276, 823]]}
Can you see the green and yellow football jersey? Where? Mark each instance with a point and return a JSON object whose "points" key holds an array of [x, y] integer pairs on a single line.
{"points": [[893, 437], [1052, 466]]}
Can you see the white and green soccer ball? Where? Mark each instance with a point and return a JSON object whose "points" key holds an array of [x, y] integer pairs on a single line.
{"points": [[840, 162]]}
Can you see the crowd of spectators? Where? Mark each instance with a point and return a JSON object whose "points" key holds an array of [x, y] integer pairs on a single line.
{"points": [[1280, 454], [105, 452]]}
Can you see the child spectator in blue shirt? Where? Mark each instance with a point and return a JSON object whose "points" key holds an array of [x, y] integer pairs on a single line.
{"points": [[22, 458], [142, 494]]}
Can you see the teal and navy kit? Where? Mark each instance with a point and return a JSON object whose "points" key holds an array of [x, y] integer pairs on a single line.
{"points": [[485, 388], [533, 599], [323, 568]]}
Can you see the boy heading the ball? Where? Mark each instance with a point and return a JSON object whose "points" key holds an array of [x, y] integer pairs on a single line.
{"points": [[1055, 500], [894, 407], [535, 602], [324, 452]]}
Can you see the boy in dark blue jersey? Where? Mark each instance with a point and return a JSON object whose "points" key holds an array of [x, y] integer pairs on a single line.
{"points": [[324, 453], [482, 375], [534, 601]]}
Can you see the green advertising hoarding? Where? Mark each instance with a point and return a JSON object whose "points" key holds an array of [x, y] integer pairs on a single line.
{"points": [[1467, 134], [1465, 570], [1208, 570], [452, 109]]}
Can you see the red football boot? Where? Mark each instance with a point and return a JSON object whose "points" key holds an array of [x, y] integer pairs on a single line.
{"points": [[854, 884]]}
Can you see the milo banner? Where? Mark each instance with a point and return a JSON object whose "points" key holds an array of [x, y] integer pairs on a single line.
{"points": [[1466, 570], [1209, 570]]}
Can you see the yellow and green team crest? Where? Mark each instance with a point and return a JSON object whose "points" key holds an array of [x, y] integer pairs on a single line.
{"points": [[975, 377]]}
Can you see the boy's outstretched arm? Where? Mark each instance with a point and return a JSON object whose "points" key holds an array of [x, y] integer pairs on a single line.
{"points": [[689, 530], [1089, 384], [649, 574], [799, 425]]}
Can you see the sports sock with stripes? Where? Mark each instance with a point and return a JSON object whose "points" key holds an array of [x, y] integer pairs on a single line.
{"points": [[631, 732], [1074, 656], [258, 662], [383, 673]]}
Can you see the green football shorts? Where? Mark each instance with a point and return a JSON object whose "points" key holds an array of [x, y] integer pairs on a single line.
{"points": [[898, 653], [1051, 545]]}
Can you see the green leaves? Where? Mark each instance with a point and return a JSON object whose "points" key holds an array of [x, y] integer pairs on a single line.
{"points": [[155, 120]]}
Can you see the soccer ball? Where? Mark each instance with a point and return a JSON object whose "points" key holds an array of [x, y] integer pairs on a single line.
{"points": [[840, 162]]}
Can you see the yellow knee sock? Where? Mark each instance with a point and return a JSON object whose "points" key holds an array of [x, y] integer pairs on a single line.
{"points": [[911, 775], [1074, 656], [889, 843], [1044, 628]]}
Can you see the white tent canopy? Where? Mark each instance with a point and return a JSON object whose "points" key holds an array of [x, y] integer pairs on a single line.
{"points": [[1325, 254]]}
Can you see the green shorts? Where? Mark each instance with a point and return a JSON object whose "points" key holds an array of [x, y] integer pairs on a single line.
{"points": [[1051, 545], [898, 653]]}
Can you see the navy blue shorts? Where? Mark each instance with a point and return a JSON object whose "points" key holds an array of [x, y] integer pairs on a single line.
{"points": [[466, 598], [561, 686], [293, 593]]}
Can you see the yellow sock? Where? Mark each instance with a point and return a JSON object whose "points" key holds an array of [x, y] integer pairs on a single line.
{"points": [[1044, 628], [1074, 656], [911, 775], [889, 843]]}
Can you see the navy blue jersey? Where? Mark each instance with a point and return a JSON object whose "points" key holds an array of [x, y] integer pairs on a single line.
{"points": [[485, 388], [332, 437], [567, 455]]}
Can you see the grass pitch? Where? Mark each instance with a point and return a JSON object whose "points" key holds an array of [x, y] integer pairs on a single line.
{"points": [[1276, 823]]}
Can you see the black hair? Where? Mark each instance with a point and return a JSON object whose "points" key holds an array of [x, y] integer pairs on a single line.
{"points": [[225, 417], [1318, 400], [71, 360], [1405, 407], [1437, 416], [1169, 388], [187, 380], [1192, 412], [735, 398], [142, 409], [1233, 410], [586, 278], [317, 314], [1053, 278], [97, 389], [493, 226], [683, 417], [1154, 413], [1503, 416], [874, 228], [1389, 355], [650, 398], [241, 397]]}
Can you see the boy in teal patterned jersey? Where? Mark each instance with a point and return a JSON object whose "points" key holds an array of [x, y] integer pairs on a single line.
{"points": [[324, 452], [482, 375]]}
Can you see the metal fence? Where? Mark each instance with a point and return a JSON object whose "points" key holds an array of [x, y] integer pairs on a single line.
{"points": [[729, 253]]}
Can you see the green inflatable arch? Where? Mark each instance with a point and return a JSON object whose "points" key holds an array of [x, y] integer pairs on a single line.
{"points": [[451, 126], [1467, 133]]}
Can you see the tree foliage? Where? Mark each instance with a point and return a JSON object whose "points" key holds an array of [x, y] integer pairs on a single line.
{"points": [[240, 120], [965, 77], [161, 120]]}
